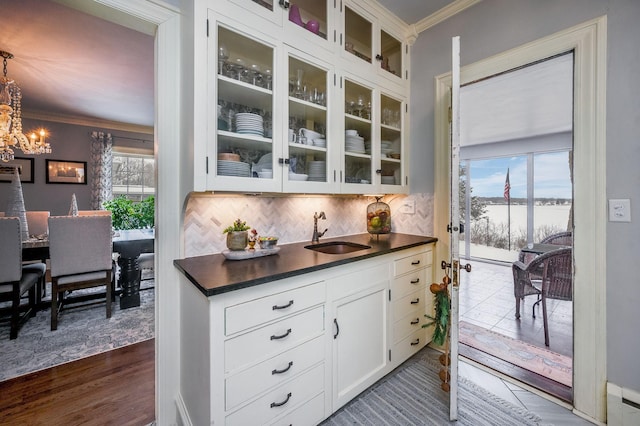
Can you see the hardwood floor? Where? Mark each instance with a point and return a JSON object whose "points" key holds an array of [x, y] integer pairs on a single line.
{"points": [[111, 388]]}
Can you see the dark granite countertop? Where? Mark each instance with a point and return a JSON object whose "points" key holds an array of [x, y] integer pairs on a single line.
{"points": [[214, 274]]}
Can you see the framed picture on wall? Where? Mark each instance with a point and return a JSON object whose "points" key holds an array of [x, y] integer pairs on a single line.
{"points": [[25, 170], [62, 171]]}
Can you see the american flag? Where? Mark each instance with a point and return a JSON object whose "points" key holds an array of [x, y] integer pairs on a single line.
{"points": [[507, 188]]}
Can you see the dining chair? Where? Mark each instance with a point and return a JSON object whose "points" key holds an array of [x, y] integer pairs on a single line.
{"points": [[38, 223], [80, 255], [16, 280], [556, 280]]}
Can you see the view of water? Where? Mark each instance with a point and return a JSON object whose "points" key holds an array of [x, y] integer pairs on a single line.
{"points": [[556, 215]]}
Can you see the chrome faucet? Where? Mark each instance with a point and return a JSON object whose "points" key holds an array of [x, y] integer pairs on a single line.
{"points": [[316, 234]]}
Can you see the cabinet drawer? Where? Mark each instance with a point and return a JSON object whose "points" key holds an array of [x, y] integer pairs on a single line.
{"points": [[252, 381], [409, 346], [309, 413], [408, 324], [411, 263], [273, 339], [411, 303], [281, 400], [408, 283], [259, 311]]}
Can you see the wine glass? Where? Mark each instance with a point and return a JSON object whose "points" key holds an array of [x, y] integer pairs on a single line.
{"points": [[223, 55]]}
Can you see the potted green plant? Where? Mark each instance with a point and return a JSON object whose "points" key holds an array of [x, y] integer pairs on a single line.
{"points": [[237, 235]]}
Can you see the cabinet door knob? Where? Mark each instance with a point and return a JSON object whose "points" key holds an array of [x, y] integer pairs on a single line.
{"points": [[283, 160], [415, 342], [415, 321], [379, 171], [416, 281], [379, 57], [282, 336], [335, 321], [415, 262], [284, 4], [415, 302]]}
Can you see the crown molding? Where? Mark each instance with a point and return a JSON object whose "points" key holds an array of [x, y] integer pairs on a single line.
{"points": [[443, 14], [87, 121]]}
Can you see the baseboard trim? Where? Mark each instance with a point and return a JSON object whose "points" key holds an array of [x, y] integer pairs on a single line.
{"points": [[623, 406]]}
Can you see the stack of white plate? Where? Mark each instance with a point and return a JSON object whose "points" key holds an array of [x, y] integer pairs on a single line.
{"points": [[386, 147], [233, 168], [354, 144], [318, 171], [388, 180], [249, 124]]}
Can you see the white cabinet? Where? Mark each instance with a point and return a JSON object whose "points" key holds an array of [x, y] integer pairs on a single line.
{"points": [[411, 300], [295, 350], [264, 75], [360, 346], [372, 43]]}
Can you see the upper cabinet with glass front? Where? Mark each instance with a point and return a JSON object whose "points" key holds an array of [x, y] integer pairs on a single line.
{"points": [[302, 21], [243, 142], [372, 44]]}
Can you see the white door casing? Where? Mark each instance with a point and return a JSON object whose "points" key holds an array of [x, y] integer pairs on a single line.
{"points": [[588, 41]]}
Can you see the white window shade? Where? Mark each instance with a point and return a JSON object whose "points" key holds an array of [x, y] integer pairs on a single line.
{"points": [[514, 109]]}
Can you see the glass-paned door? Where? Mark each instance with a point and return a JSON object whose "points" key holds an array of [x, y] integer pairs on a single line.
{"points": [[307, 138], [244, 146], [390, 54], [358, 35], [358, 134], [390, 140]]}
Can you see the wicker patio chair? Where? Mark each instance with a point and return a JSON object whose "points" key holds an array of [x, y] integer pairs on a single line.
{"points": [[556, 282]]}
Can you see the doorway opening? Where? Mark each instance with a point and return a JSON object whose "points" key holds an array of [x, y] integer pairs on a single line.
{"points": [[516, 191]]}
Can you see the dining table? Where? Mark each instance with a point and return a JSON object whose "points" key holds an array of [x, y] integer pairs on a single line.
{"points": [[129, 244]]}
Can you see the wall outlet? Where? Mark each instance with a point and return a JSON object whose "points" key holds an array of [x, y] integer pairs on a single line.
{"points": [[408, 207], [620, 210]]}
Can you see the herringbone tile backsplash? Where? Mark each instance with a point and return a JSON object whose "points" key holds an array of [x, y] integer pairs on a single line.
{"points": [[291, 218]]}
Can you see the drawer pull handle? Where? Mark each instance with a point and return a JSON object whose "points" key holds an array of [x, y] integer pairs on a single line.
{"points": [[335, 321], [275, 307], [284, 370], [415, 262], [282, 336], [415, 321], [415, 342], [415, 302], [280, 404], [416, 281]]}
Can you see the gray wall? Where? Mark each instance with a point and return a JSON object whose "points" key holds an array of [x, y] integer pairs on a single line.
{"points": [[68, 142], [493, 26]]}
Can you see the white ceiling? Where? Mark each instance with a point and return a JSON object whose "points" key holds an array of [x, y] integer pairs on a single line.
{"points": [[69, 63]]}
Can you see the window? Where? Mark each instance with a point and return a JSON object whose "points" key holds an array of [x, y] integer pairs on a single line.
{"points": [[133, 175]]}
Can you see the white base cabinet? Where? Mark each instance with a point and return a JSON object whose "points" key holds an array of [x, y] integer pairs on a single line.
{"points": [[294, 351]]}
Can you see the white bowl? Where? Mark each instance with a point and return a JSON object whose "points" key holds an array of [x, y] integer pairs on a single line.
{"points": [[296, 176], [351, 132], [265, 174]]}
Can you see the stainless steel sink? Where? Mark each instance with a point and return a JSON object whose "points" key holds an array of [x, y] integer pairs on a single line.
{"points": [[337, 247]]}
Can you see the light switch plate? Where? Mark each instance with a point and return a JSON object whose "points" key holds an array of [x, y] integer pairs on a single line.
{"points": [[408, 206], [620, 210]]}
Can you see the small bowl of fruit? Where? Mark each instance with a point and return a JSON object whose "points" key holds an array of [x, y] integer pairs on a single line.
{"points": [[268, 242]]}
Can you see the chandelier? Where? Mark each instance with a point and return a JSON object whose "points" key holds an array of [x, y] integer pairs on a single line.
{"points": [[11, 120]]}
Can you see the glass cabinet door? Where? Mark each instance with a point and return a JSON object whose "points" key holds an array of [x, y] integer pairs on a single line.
{"points": [[307, 132], [244, 145], [390, 141], [312, 15], [358, 33], [390, 55], [358, 134]]}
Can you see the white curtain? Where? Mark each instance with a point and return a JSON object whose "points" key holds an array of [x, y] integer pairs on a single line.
{"points": [[100, 169]]}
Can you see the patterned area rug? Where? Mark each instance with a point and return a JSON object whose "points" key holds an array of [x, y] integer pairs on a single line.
{"points": [[549, 364], [411, 395], [82, 332]]}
